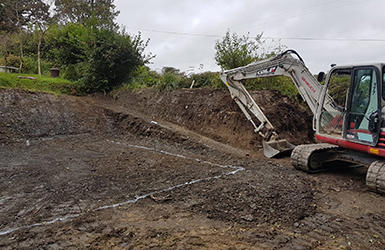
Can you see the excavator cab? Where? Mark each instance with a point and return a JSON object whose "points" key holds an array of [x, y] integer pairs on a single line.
{"points": [[351, 106]]}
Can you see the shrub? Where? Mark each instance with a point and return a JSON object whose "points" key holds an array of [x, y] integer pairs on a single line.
{"points": [[168, 81], [30, 66], [207, 79], [13, 61], [98, 58], [145, 77], [284, 84]]}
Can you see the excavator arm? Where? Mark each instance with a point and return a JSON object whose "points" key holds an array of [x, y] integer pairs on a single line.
{"points": [[284, 64]]}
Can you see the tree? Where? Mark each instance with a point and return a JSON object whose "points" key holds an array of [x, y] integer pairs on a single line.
{"points": [[17, 14], [5, 47], [80, 11], [67, 45], [234, 51], [113, 57], [21, 15], [100, 58], [43, 31], [171, 70]]}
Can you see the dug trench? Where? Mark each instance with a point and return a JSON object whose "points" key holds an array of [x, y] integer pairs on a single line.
{"points": [[169, 170]]}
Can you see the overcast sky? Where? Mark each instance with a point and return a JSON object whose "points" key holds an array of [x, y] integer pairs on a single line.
{"points": [[183, 32]]}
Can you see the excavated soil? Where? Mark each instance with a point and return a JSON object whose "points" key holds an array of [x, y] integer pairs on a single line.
{"points": [[169, 170]]}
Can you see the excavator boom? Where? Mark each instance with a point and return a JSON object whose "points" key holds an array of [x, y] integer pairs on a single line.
{"points": [[282, 65]]}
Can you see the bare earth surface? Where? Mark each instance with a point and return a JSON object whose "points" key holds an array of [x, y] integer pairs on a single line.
{"points": [[169, 170]]}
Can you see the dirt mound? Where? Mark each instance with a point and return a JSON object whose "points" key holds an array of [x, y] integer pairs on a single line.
{"points": [[291, 121], [31, 115], [214, 114], [208, 112]]}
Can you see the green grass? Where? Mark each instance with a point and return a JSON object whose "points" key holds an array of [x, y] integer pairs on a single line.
{"points": [[41, 84]]}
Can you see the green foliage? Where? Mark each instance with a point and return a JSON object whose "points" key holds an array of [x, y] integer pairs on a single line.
{"points": [[85, 44], [67, 45], [171, 70], [16, 15], [28, 42], [145, 77], [72, 72], [234, 51], [30, 66], [7, 46], [99, 59], [17, 48], [112, 58], [82, 11], [172, 79], [207, 79], [338, 87], [169, 81], [12, 60], [43, 84], [281, 83]]}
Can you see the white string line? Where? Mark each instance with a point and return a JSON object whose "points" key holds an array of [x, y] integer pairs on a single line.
{"points": [[172, 154], [236, 169]]}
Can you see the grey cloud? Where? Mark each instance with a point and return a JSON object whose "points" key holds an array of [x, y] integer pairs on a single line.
{"points": [[276, 18]]}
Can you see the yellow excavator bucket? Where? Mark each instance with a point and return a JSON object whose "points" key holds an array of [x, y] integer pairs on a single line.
{"points": [[276, 148]]}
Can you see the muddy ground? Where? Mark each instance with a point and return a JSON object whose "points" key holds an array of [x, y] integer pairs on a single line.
{"points": [[169, 170]]}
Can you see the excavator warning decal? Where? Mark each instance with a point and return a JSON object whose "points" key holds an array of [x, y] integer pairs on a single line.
{"points": [[266, 72]]}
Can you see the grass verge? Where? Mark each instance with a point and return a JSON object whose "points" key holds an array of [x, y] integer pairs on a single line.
{"points": [[37, 83]]}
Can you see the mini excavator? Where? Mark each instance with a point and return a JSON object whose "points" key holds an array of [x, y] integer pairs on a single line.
{"points": [[348, 105]]}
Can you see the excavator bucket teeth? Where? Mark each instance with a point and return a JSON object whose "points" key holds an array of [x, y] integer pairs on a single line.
{"points": [[276, 148]]}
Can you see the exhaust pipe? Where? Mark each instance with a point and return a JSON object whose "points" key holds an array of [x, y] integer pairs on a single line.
{"points": [[276, 148]]}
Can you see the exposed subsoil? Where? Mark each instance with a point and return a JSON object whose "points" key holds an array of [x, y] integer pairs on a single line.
{"points": [[169, 170]]}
